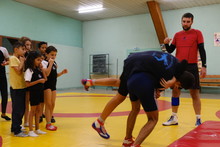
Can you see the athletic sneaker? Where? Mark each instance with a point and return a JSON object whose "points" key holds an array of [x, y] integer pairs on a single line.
{"points": [[198, 122], [32, 134], [26, 124], [84, 81], [172, 121], [21, 134], [40, 132], [99, 127], [51, 127], [128, 142], [22, 127], [6, 117]]}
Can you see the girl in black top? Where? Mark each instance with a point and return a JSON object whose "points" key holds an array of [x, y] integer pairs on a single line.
{"points": [[50, 67], [35, 79]]}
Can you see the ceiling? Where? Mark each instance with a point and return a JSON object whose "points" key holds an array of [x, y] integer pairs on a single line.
{"points": [[112, 8]]}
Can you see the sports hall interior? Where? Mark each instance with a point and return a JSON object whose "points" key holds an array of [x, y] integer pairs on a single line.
{"points": [[117, 31]]}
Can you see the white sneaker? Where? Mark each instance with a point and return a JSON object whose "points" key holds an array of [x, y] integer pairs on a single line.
{"points": [[32, 134], [21, 134], [22, 127], [172, 121], [40, 132], [26, 124]]}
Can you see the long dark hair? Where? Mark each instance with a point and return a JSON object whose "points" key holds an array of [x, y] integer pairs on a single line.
{"points": [[29, 62]]}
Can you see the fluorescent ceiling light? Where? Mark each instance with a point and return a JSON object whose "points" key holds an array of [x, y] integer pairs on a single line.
{"points": [[90, 9]]}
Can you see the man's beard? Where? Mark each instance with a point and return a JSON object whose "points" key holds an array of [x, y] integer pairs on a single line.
{"points": [[186, 29]]}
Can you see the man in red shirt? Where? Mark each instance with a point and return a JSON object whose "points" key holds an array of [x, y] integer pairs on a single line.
{"points": [[187, 43]]}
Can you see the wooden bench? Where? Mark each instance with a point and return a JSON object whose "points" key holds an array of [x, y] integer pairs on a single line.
{"points": [[210, 80]]}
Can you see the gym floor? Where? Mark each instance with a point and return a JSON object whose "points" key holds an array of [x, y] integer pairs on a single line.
{"points": [[76, 109]]}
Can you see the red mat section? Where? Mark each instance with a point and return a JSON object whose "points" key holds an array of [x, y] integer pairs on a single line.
{"points": [[0, 141], [205, 135]]}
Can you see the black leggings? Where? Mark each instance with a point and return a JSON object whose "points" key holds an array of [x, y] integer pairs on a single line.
{"points": [[4, 92]]}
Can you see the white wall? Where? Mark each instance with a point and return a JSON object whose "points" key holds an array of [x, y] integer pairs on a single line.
{"points": [[116, 36], [71, 58]]}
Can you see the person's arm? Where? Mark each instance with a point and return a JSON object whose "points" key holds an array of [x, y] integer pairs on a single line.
{"points": [[47, 70], [6, 56], [28, 83], [5, 62], [44, 74], [43, 71], [28, 75], [19, 69], [157, 93], [62, 72], [167, 84], [202, 53], [169, 48]]}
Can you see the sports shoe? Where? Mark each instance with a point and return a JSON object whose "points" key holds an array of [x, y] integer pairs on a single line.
{"points": [[172, 121], [84, 81], [128, 142], [6, 117], [26, 124], [32, 134], [22, 127], [21, 134], [40, 132], [53, 120], [51, 127], [198, 122], [99, 127]]}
